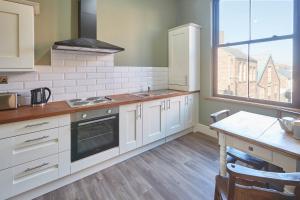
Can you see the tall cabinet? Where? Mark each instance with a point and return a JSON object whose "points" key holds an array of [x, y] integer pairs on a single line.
{"points": [[184, 58]]}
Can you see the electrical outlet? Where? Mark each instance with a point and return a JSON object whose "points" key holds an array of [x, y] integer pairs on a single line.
{"points": [[3, 79]]}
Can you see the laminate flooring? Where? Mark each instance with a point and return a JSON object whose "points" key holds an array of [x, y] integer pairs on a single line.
{"points": [[183, 169]]}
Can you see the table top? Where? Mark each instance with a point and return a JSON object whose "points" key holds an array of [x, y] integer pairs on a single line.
{"points": [[259, 129]]}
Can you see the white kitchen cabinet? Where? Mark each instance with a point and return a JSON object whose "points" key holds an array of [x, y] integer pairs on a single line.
{"points": [[189, 110], [17, 36], [131, 127], [154, 121], [175, 115], [21, 178], [184, 58], [33, 153]]}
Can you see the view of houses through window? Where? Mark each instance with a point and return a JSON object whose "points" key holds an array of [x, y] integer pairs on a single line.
{"points": [[257, 60]]}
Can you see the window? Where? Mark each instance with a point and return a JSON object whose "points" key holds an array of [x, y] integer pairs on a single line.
{"points": [[262, 37]]}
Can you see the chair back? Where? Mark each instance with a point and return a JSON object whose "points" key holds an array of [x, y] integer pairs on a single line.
{"points": [[246, 184]]}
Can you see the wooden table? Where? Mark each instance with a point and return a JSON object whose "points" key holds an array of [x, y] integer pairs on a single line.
{"points": [[260, 136]]}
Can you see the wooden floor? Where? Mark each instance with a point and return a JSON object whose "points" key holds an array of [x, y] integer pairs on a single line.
{"points": [[182, 169]]}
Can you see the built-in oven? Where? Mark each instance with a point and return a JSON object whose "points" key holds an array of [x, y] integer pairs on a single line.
{"points": [[93, 132]]}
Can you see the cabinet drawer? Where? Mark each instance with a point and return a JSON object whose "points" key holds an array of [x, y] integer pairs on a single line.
{"points": [[34, 174], [251, 149], [24, 148], [30, 126], [19, 179]]}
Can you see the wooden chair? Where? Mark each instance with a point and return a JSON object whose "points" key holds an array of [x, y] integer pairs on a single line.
{"points": [[234, 155], [247, 184]]}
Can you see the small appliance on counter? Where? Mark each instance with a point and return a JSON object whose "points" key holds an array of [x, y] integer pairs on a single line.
{"points": [[291, 125], [38, 96], [8, 101]]}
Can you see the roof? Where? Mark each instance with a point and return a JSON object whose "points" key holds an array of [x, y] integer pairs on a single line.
{"points": [[262, 63], [238, 54], [284, 70]]}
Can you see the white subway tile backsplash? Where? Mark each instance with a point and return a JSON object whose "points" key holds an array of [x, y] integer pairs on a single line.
{"points": [[86, 69], [80, 75], [104, 81], [37, 84], [28, 76], [87, 82], [64, 83], [58, 90], [86, 94], [62, 97], [12, 86], [113, 75], [64, 69], [51, 76], [121, 69], [75, 76], [43, 68], [96, 87], [76, 89], [95, 75]]}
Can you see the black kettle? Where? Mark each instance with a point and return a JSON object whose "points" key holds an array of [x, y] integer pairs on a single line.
{"points": [[38, 96]]}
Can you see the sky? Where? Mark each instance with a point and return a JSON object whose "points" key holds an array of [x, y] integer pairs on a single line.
{"points": [[268, 18]]}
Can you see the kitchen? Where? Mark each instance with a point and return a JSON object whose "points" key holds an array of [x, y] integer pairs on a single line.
{"points": [[78, 106]]}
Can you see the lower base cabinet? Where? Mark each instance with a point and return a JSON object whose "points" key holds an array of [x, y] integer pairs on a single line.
{"points": [[131, 127], [175, 109], [21, 178], [154, 121], [190, 110], [144, 123]]}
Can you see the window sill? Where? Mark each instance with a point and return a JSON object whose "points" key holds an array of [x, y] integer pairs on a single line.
{"points": [[260, 105]]}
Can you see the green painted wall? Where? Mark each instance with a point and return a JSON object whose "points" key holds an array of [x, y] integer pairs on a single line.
{"points": [[199, 11], [140, 26], [55, 22]]}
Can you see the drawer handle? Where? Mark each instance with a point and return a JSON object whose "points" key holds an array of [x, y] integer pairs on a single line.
{"points": [[37, 139], [163, 105], [250, 148], [37, 167], [169, 104], [34, 125]]}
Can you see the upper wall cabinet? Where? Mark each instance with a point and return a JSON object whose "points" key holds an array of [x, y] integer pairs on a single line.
{"points": [[184, 58], [17, 36]]}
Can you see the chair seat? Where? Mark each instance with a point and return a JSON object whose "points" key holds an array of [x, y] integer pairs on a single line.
{"points": [[246, 158]]}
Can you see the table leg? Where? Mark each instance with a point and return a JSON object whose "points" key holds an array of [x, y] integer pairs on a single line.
{"points": [[289, 168], [223, 154]]}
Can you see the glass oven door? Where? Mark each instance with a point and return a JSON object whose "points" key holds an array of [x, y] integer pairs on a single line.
{"points": [[93, 136]]}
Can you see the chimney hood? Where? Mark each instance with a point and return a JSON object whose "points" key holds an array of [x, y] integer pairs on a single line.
{"points": [[87, 41]]}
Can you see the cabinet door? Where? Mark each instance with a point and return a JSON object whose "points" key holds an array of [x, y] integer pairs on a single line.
{"points": [[175, 115], [178, 56], [154, 121], [17, 36], [130, 127], [189, 111]]}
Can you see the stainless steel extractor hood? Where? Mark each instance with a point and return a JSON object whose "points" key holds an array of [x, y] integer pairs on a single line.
{"points": [[87, 32]]}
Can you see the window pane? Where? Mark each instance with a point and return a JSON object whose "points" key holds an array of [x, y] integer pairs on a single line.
{"points": [[271, 17], [233, 70], [274, 70], [234, 21]]}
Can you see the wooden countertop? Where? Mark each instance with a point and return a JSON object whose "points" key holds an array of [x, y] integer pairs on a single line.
{"points": [[60, 108]]}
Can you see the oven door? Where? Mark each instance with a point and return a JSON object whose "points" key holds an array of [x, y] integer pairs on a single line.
{"points": [[95, 135]]}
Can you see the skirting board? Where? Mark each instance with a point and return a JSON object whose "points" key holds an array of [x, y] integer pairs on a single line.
{"points": [[94, 169], [201, 128]]}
